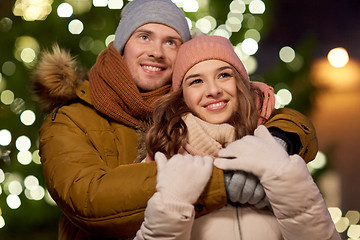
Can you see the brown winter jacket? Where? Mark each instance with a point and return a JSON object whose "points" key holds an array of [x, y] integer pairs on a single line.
{"points": [[88, 160]]}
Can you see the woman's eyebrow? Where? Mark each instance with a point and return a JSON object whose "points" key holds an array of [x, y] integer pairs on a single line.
{"points": [[224, 67], [192, 76]]}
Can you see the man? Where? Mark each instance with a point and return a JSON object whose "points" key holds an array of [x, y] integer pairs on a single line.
{"points": [[88, 143]]}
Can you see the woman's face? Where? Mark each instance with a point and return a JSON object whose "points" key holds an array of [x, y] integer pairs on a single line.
{"points": [[209, 90]]}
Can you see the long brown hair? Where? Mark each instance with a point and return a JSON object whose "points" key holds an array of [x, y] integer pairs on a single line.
{"points": [[169, 132]]}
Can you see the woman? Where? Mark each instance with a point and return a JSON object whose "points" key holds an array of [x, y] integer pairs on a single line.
{"points": [[211, 106]]}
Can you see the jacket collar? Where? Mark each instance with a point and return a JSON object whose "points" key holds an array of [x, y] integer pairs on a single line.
{"points": [[83, 92]]}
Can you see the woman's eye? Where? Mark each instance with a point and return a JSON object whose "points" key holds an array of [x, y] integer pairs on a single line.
{"points": [[224, 75], [196, 81]]}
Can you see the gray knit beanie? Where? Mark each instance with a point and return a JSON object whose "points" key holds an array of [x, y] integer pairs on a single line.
{"points": [[140, 12]]}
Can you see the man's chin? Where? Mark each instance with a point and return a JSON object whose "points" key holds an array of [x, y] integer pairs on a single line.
{"points": [[150, 88], [153, 86]]}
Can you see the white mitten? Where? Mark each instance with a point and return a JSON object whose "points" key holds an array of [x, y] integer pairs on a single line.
{"points": [[255, 154], [294, 197], [183, 177]]}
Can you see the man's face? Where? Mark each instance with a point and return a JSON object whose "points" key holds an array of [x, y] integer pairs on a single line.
{"points": [[150, 54]]}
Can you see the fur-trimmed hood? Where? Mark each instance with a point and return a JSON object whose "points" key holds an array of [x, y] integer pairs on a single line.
{"points": [[55, 78]]}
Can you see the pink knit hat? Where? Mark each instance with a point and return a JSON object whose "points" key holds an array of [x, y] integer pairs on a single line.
{"points": [[204, 48]]}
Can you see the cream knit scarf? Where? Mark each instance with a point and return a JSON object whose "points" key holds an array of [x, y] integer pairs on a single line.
{"points": [[115, 94], [205, 138]]}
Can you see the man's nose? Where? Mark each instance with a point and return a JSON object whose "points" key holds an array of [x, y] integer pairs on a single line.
{"points": [[156, 50]]}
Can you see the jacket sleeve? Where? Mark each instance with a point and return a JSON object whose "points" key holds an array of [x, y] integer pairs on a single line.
{"points": [[106, 199], [166, 219], [297, 203], [296, 130]]}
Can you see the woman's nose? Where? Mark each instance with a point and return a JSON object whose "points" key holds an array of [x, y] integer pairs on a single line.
{"points": [[213, 89]]}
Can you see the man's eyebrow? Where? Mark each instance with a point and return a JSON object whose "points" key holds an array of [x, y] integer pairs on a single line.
{"points": [[152, 32], [143, 31], [175, 38]]}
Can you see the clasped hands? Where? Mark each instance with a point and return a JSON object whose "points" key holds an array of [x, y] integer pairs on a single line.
{"points": [[245, 161]]}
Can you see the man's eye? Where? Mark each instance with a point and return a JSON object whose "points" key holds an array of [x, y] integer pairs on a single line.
{"points": [[144, 37]]}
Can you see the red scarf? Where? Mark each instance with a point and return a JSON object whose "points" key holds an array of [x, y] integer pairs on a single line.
{"points": [[115, 94]]}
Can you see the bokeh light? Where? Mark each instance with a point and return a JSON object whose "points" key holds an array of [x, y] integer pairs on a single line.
{"points": [[13, 201], [190, 6], [2, 222], [31, 182], [26, 50], [48, 199], [206, 24], [353, 216], [27, 117], [5, 137], [335, 213], [100, 3], [354, 232], [76, 26], [15, 187], [338, 57], [253, 34], [2, 176], [24, 157], [23, 143], [8, 68], [253, 22], [18, 105], [2, 83], [222, 31], [28, 55], [80, 7], [109, 39], [342, 224], [6, 24], [249, 46], [257, 7], [65, 10], [31, 10], [287, 54], [234, 23], [319, 161], [37, 194], [240, 53], [237, 6], [284, 97], [7, 97], [115, 4], [36, 157], [250, 64], [189, 22]]}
